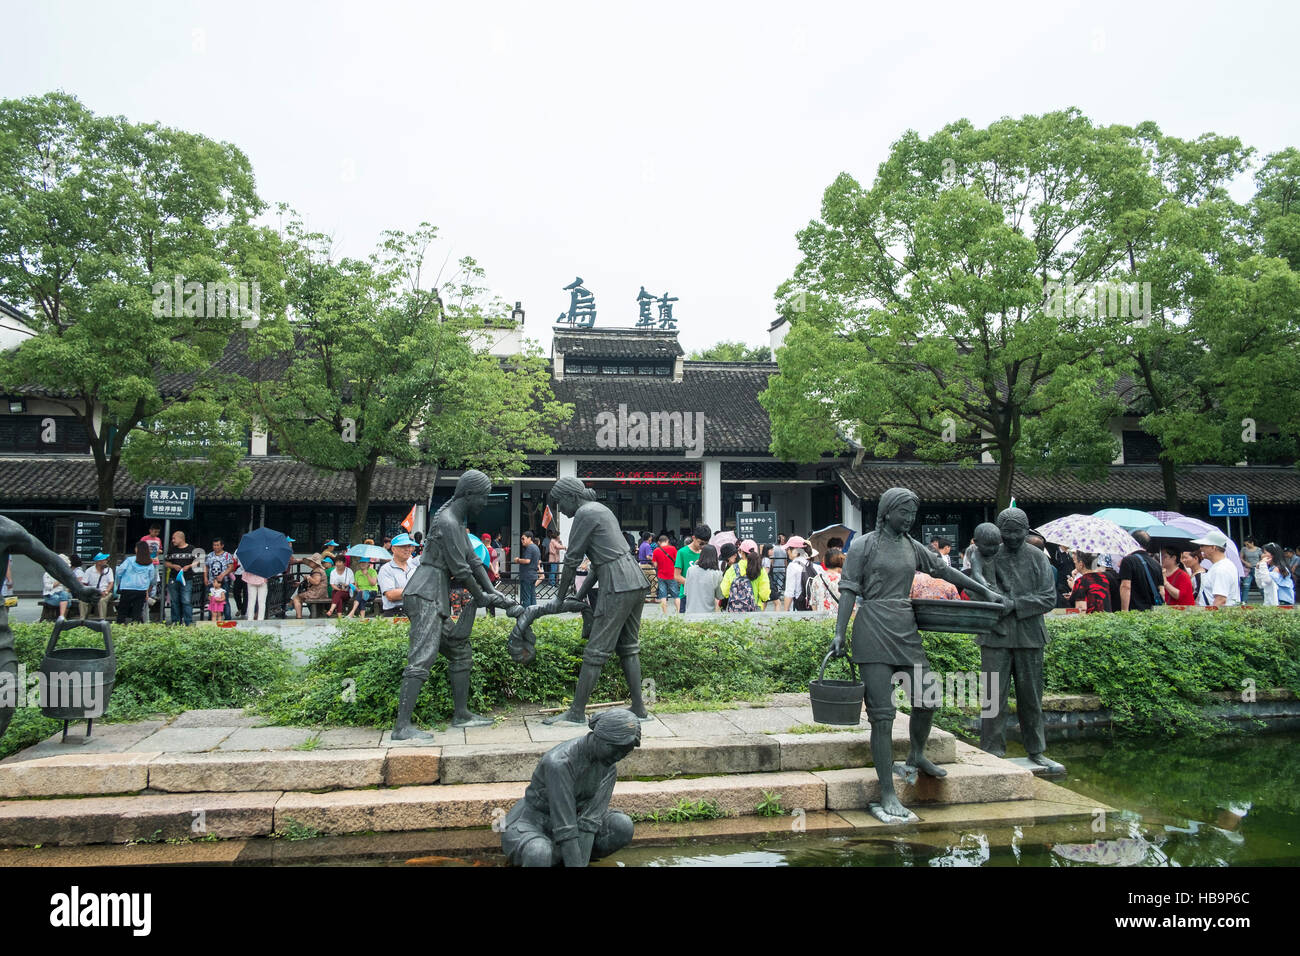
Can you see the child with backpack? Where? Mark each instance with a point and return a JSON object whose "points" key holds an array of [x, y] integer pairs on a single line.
{"points": [[799, 574], [745, 585]]}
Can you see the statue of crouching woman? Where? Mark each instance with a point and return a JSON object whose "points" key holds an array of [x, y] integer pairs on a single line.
{"points": [[564, 817]]}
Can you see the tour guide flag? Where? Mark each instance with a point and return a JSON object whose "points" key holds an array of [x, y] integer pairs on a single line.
{"points": [[546, 516], [409, 521]]}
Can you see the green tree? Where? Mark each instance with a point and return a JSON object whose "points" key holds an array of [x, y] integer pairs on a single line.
{"points": [[922, 312], [1179, 241], [100, 216], [733, 352], [381, 365], [1275, 209]]}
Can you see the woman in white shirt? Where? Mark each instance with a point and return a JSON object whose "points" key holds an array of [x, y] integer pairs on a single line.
{"points": [[341, 584], [54, 593]]}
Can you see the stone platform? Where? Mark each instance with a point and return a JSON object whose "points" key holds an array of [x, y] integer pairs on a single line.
{"points": [[216, 774]]}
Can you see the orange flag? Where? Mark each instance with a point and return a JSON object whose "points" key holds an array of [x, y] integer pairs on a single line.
{"points": [[547, 517], [409, 521]]}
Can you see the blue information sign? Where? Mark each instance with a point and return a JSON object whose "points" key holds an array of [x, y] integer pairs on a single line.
{"points": [[1229, 506]]}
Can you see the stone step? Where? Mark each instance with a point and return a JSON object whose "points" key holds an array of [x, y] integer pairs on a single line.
{"points": [[48, 773], [975, 778]]}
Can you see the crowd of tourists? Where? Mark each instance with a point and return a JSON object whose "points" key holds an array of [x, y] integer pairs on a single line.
{"points": [[329, 580], [694, 575]]}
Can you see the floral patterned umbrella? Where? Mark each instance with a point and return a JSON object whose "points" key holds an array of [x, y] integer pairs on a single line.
{"points": [[1089, 533]]}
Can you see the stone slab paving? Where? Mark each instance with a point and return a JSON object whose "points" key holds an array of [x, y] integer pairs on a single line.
{"points": [[107, 738], [231, 717], [508, 732], [349, 738], [183, 740], [452, 735], [267, 738], [697, 725]]}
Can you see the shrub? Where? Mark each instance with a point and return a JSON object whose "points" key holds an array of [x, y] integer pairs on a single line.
{"points": [[160, 670], [1153, 669]]}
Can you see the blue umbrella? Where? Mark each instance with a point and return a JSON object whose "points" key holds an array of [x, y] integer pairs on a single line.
{"points": [[480, 549], [371, 552], [1130, 519], [264, 552]]}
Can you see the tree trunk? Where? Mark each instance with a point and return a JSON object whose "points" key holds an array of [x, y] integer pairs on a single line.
{"points": [[363, 478], [105, 476], [1171, 484], [1006, 474]]}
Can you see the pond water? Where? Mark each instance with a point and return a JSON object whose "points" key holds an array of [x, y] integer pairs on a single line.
{"points": [[1228, 801]]}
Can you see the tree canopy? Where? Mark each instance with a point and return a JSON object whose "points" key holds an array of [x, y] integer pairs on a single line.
{"points": [[733, 352], [383, 364], [101, 215], [1007, 291]]}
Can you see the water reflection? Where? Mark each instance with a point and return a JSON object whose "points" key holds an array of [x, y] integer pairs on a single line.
{"points": [[1223, 802]]}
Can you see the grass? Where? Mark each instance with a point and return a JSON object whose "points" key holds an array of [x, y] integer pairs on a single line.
{"points": [[770, 805], [311, 743], [815, 729], [293, 830], [683, 812]]}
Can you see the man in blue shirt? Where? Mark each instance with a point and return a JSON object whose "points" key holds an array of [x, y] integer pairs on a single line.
{"points": [[529, 564]]}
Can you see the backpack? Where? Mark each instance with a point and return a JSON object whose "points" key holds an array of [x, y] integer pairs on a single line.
{"points": [[802, 601], [741, 597]]}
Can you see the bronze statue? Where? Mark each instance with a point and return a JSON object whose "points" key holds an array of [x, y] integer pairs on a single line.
{"points": [[1015, 647], [448, 561], [14, 539], [564, 817], [616, 622], [878, 570]]}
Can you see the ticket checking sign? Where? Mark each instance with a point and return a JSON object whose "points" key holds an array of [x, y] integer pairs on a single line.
{"points": [[169, 501]]}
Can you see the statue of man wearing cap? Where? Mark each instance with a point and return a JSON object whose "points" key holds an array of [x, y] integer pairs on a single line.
{"points": [[14, 539], [564, 816], [1014, 649], [616, 622], [879, 570], [448, 561]]}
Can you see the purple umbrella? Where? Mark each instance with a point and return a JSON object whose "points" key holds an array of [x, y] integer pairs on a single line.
{"points": [[1201, 528]]}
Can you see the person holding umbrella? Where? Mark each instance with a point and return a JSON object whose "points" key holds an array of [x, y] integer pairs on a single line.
{"points": [[263, 553]]}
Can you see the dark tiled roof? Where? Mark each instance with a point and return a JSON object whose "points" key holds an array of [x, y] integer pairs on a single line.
{"points": [[57, 480], [616, 343], [1127, 485], [727, 393]]}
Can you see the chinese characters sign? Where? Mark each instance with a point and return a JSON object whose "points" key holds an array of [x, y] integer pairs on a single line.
{"points": [[169, 501], [653, 312], [641, 476]]}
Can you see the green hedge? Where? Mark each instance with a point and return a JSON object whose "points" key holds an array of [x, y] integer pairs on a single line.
{"points": [[1154, 670], [160, 670]]}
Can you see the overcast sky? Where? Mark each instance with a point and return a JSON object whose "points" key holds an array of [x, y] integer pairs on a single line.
{"points": [[675, 146]]}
